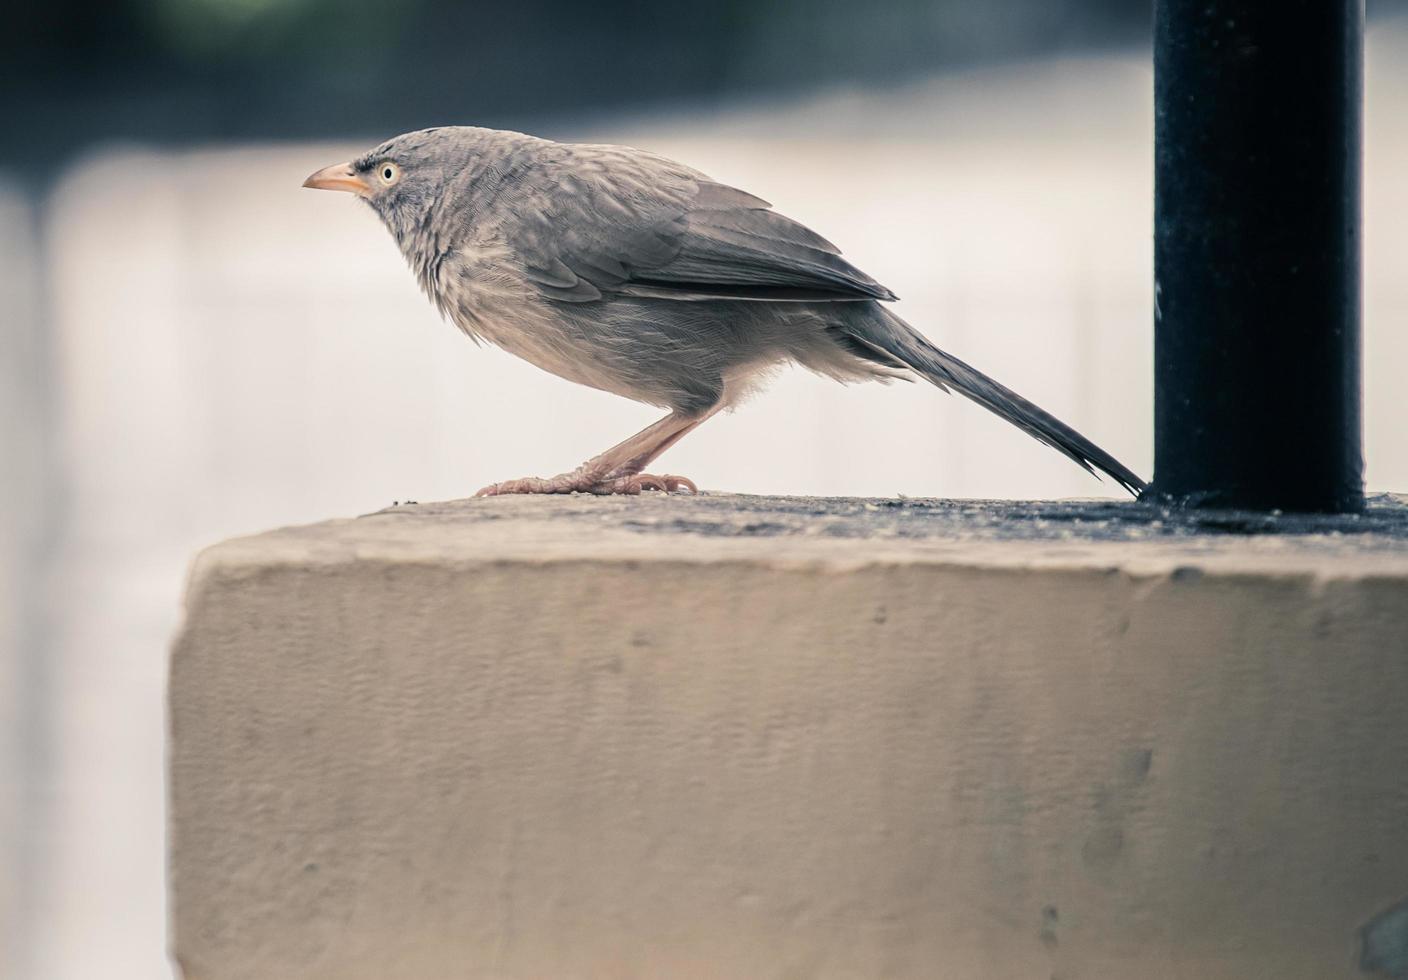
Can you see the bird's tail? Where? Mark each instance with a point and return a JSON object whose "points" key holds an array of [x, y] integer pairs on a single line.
{"points": [[890, 339]]}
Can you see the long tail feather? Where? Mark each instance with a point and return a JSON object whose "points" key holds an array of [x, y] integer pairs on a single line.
{"points": [[896, 339]]}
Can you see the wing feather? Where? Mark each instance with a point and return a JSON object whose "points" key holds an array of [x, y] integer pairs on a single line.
{"points": [[592, 222]]}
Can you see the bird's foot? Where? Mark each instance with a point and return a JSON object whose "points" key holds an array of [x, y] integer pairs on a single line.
{"points": [[665, 483], [582, 481]]}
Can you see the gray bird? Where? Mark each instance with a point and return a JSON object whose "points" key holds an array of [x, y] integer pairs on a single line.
{"points": [[619, 269]]}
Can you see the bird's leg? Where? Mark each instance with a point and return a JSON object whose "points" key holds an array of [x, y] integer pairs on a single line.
{"points": [[618, 470]]}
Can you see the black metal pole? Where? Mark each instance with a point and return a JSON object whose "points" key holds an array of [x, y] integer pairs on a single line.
{"points": [[1256, 253]]}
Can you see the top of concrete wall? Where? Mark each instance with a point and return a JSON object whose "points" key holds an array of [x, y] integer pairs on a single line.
{"points": [[1136, 538]]}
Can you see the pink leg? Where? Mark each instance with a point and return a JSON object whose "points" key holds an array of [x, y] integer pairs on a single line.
{"points": [[618, 470]]}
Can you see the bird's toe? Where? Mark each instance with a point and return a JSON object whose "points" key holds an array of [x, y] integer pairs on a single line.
{"points": [[528, 484], [585, 482], [664, 483], [679, 484]]}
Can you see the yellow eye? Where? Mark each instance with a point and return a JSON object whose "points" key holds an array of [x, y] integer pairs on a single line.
{"points": [[388, 173]]}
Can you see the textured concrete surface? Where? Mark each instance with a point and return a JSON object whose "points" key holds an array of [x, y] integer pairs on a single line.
{"points": [[785, 737]]}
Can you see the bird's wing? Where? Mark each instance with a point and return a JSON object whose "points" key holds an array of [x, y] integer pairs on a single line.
{"points": [[592, 222]]}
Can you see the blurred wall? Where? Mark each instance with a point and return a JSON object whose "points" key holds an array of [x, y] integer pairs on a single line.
{"points": [[25, 547]]}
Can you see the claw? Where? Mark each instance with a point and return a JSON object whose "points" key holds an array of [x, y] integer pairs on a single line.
{"points": [[662, 483], [674, 484]]}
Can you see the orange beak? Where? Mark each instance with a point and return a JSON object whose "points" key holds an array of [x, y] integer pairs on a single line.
{"points": [[338, 177]]}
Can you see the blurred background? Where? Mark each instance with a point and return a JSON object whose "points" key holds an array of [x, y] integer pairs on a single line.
{"points": [[192, 347]]}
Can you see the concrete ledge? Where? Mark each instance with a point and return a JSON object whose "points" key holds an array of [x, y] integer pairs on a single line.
{"points": [[747, 737]]}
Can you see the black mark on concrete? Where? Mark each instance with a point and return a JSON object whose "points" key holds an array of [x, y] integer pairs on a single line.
{"points": [[1136, 764], [1050, 918], [1383, 943]]}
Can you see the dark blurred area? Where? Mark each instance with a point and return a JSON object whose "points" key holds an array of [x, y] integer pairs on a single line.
{"points": [[74, 72]]}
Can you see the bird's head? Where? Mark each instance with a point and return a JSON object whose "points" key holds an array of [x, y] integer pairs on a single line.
{"points": [[403, 178]]}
